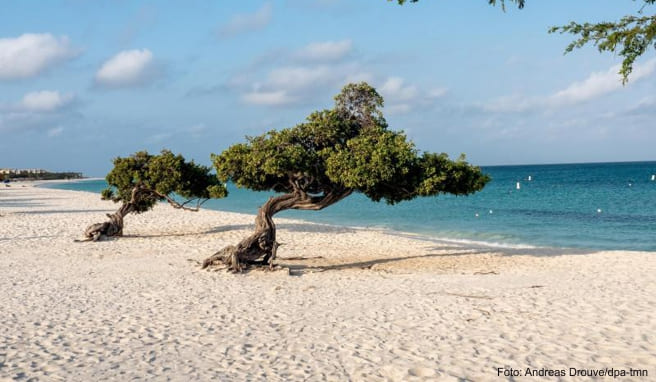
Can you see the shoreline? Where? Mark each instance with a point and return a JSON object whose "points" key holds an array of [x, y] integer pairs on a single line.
{"points": [[411, 235], [474, 244], [344, 303], [39, 183]]}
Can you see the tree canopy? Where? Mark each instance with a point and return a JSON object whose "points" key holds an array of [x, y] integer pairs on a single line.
{"points": [[143, 179], [345, 149], [328, 157], [630, 36]]}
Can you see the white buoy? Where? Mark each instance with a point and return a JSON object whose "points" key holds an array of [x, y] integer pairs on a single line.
{"points": [[518, 186], [476, 215], [530, 178], [490, 212], [653, 178], [598, 210]]}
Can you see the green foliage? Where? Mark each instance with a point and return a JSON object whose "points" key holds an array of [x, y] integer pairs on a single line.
{"points": [[144, 179], [42, 175], [346, 148], [630, 37]]}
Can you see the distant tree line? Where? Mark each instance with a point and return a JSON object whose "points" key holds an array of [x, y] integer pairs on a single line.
{"points": [[46, 175]]}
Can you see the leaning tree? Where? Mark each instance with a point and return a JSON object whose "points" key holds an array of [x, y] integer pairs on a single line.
{"points": [[330, 156], [141, 180]]}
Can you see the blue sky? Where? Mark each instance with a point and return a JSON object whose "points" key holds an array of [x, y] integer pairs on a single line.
{"points": [[84, 81]]}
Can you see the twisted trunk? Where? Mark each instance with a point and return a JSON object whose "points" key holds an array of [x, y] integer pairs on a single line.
{"points": [[261, 246], [113, 227]]}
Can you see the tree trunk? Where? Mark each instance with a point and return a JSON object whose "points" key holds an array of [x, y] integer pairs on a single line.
{"points": [[260, 247], [113, 227]]}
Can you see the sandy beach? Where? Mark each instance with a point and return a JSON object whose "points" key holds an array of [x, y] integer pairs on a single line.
{"points": [[347, 304]]}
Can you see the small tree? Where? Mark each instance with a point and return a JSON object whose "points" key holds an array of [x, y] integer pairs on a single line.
{"points": [[141, 180], [333, 154]]}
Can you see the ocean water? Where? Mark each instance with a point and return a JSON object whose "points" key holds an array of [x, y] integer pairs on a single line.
{"points": [[591, 206]]}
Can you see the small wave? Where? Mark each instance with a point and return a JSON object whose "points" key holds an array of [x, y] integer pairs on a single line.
{"points": [[464, 242], [488, 244]]}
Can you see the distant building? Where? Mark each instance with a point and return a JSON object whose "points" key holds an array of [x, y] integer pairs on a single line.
{"points": [[22, 171]]}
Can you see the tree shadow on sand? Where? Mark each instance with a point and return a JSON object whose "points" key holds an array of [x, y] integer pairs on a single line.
{"points": [[19, 203], [301, 269], [446, 252], [58, 212]]}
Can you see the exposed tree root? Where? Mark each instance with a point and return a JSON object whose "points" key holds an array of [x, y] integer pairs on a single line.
{"points": [[259, 249], [113, 227]]}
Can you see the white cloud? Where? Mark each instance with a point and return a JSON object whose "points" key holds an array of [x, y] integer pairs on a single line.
{"points": [[307, 77], [29, 54], [39, 111], [325, 51], [401, 98], [127, 68], [295, 84], [45, 101], [271, 98], [394, 89], [247, 22], [600, 83], [594, 86]]}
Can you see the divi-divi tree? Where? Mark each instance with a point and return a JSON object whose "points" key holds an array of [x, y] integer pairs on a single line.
{"points": [[332, 155], [141, 180]]}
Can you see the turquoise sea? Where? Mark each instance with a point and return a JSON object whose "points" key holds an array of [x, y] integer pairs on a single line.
{"points": [[592, 206]]}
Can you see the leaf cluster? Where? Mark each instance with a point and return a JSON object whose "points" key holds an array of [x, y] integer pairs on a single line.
{"points": [[144, 179], [350, 148], [631, 36]]}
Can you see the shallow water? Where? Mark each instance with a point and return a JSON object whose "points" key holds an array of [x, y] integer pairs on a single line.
{"points": [[597, 206]]}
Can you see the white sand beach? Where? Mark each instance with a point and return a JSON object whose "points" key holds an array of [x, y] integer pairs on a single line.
{"points": [[356, 304]]}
